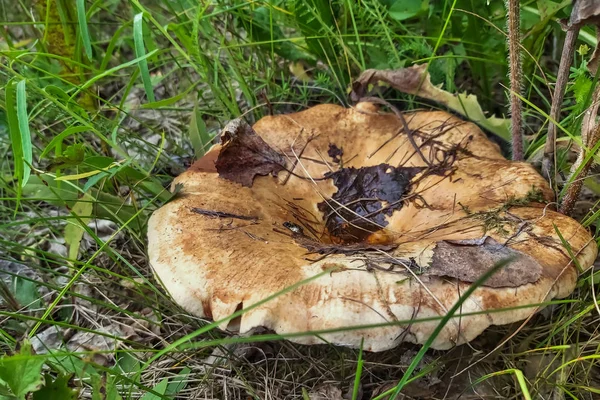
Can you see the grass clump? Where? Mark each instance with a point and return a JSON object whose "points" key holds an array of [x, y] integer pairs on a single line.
{"points": [[103, 103]]}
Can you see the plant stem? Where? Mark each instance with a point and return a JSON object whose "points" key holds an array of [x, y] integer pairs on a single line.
{"points": [[590, 135], [514, 39], [548, 161]]}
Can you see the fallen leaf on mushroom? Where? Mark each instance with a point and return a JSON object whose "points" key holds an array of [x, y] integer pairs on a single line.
{"points": [[404, 229]]}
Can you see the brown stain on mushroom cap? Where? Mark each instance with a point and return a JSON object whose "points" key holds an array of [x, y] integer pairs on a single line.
{"points": [[212, 265]]}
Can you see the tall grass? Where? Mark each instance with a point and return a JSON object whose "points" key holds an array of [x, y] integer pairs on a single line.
{"points": [[102, 103]]}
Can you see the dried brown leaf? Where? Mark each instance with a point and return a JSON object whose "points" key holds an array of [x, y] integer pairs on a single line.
{"points": [[415, 80], [245, 155], [468, 260]]}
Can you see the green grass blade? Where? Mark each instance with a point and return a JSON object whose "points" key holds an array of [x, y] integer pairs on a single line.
{"points": [[413, 365], [108, 73], [83, 29], [23, 117], [359, 369], [140, 52], [199, 136], [58, 139], [13, 129]]}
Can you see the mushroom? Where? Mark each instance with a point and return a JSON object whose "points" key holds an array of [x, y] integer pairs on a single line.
{"points": [[405, 211]]}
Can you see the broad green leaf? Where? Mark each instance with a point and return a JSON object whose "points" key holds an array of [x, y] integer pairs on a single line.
{"points": [[548, 8], [160, 388], [178, 383], [127, 364], [405, 9], [140, 51], [23, 118], [26, 293], [22, 372], [83, 29], [56, 389], [74, 229]]}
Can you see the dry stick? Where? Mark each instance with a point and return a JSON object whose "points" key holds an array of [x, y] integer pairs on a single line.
{"points": [[590, 134], [566, 58], [514, 41]]}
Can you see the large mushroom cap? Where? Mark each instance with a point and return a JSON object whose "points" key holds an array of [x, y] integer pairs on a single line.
{"points": [[405, 231]]}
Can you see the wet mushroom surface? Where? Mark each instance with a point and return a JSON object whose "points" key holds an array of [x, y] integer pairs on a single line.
{"points": [[404, 214]]}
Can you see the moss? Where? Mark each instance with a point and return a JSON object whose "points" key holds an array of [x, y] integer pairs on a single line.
{"points": [[495, 220]]}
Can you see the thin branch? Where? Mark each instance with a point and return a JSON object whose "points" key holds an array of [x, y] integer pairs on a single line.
{"points": [[514, 41], [549, 159], [590, 134]]}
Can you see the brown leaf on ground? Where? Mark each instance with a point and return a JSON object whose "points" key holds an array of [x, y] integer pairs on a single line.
{"points": [[326, 392], [469, 260], [245, 155]]}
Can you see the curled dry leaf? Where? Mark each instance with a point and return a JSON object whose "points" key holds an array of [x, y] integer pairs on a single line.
{"points": [[245, 155], [403, 236], [415, 80]]}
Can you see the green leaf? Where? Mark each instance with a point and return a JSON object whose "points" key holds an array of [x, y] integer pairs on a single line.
{"points": [[178, 383], [104, 388], [140, 51], [58, 139], [106, 205], [405, 9], [160, 388], [315, 18], [168, 101], [56, 389], [548, 8], [72, 156], [83, 29], [199, 136], [127, 364], [581, 89], [117, 37], [74, 229], [263, 29], [23, 118], [70, 364], [22, 372], [14, 133], [26, 293]]}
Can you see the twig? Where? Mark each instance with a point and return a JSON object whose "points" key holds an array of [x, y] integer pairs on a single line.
{"points": [[514, 40], [590, 134], [562, 77], [220, 214]]}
